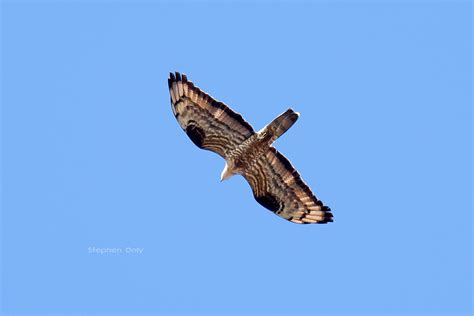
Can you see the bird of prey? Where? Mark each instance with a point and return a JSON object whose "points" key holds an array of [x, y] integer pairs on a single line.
{"points": [[214, 126]]}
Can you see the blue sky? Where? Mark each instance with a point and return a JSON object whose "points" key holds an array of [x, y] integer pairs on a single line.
{"points": [[93, 157]]}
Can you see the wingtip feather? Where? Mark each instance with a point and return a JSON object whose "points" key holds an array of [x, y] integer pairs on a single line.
{"points": [[177, 76]]}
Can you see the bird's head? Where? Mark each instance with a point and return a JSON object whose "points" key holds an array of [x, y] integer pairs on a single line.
{"points": [[226, 173]]}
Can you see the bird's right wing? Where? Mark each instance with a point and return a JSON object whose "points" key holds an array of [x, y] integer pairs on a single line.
{"points": [[277, 186], [210, 124]]}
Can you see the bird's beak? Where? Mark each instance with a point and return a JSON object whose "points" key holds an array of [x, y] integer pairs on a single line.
{"points": [[225, 176]]}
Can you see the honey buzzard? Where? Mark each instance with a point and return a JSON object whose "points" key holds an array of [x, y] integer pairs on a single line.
{"points": [[275, 183]]}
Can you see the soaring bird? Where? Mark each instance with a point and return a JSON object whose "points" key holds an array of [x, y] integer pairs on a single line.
{"points": [[275, 183]]}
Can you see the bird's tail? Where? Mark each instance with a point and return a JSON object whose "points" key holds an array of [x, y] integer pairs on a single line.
{"points": [[281, 124]]}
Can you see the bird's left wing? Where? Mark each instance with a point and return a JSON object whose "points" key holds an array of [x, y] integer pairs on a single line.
{"points": [[210, 124], [277, 186]]}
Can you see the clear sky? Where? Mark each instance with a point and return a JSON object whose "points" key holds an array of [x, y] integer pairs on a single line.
{"points": [[93, 158]]}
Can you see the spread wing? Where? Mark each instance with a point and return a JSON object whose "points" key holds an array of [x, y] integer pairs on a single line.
{"points": [[278, 186], [210, 124]]}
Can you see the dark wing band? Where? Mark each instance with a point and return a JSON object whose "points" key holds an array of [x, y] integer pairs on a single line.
{"points": [[278, 186], [210, 124]]}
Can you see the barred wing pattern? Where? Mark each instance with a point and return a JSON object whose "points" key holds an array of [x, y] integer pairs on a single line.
{"points": [[277, 186], [210, 124]]}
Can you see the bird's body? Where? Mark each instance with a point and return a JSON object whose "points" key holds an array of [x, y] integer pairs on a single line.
{"points": [[246, 154], [275, 183]]}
